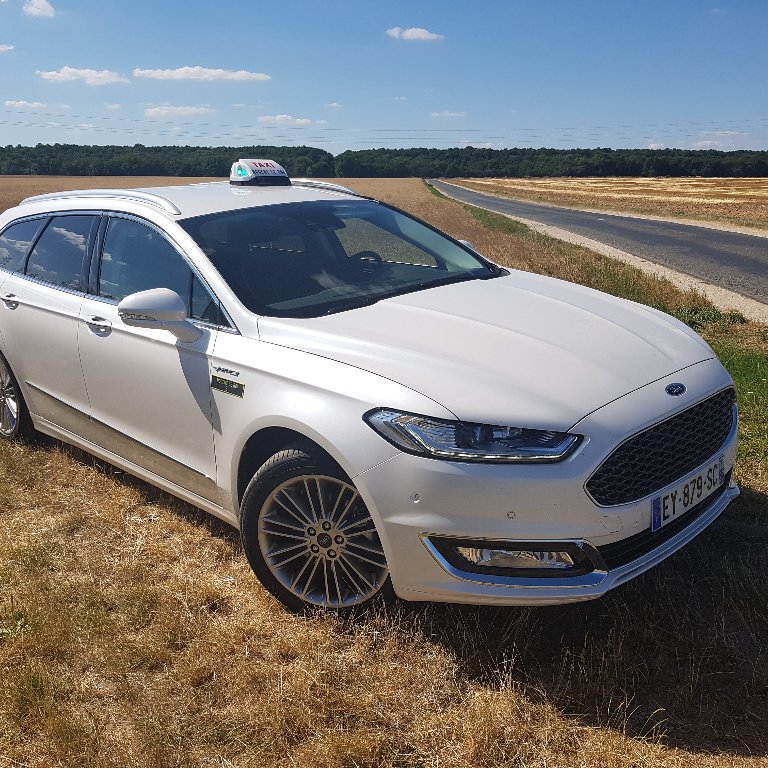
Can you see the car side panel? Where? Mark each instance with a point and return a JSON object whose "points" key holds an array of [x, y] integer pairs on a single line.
{"points": [[40, 343], [150, 396], [319, 398]]}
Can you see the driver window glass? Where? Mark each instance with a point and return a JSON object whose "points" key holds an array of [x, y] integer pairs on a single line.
{"points": [[136, 258]]}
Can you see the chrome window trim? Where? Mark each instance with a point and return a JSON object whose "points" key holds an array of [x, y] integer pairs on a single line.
{"points": [[22, 219], [47, 284]]}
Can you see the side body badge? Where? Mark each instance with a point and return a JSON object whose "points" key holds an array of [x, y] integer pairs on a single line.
{"points": [[228, 386]]}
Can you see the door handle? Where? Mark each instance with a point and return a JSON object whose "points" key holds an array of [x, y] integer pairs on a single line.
{"points": [[98, 324], [10, 300]]}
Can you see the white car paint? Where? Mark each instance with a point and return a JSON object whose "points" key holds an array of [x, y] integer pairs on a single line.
{"points": [[562, 349], [523, 350]]}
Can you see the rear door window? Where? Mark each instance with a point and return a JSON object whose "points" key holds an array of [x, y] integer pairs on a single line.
{"points": [[59, 255], [15, 243]]}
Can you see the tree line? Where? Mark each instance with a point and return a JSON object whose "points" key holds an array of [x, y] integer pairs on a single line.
{"points": [[472, 161], [140, 160]]}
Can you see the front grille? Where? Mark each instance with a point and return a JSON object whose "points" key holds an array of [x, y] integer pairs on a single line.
{"points": [[625, 551], [664, 453]]}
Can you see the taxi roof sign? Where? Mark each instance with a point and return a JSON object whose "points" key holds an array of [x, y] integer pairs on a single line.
{"points": [[263, 173]]}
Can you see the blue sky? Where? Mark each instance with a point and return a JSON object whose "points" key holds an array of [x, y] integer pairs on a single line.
{"points": [[355, 74]]}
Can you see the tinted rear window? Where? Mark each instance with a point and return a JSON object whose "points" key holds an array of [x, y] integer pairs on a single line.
{"points": [[15, 243], [59, 254]]}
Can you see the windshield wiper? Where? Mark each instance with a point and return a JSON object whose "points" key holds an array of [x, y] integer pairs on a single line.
{"points": [[356, 303]]}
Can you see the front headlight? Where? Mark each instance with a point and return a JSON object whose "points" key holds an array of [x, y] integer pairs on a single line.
{"points": [[464, 441]]}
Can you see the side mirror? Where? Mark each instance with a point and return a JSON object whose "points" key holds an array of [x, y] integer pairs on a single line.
{"points": [[159, 308], [469, 245]]}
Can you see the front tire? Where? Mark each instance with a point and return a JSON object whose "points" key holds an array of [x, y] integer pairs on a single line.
{"points": [[309, 537], [14, 416]]}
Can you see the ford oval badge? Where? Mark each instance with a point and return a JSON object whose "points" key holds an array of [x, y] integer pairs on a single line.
{"points": [[675, 389]]}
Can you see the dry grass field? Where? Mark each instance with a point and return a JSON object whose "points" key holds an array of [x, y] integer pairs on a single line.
{"points": [[739, 202], [132, 632]]}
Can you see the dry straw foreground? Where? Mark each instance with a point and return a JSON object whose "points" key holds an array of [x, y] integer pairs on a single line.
{"points": [[133, 634]]}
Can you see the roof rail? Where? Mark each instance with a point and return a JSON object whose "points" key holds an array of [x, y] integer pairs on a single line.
{"points": [[324, 185], [149, 198]]}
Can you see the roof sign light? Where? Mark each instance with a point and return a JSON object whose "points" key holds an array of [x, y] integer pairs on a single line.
{"points": [[263, 173]]}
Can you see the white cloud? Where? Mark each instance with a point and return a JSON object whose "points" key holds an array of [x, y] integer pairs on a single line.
{"points": [[657, 145], [176, 111], [401, 98], [86, 126], [481, 145], [4, 48], [727, 140], [88, 76], [447, 113], [113, 106], [200, 73], [25, 105], [334, 105], [284, 120], [413, 33], [39, 8]]}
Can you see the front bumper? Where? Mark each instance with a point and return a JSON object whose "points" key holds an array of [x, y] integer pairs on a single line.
{"points": [[418, 501]]}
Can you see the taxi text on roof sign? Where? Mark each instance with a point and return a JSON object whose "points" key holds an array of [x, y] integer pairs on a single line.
{"points": [[258, 172]]}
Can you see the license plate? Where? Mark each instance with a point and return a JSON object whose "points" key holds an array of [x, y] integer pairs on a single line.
{"points": [[678, 500]]}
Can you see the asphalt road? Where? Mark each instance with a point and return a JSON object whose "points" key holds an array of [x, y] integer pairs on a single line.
{"points": [[728, 259]]}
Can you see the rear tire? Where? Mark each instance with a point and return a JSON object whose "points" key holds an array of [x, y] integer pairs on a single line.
{"points": [[14, 415], [309, 537]]}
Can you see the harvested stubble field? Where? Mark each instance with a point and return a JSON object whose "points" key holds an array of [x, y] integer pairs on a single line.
{"points": [[737, 202], [133, 634]]}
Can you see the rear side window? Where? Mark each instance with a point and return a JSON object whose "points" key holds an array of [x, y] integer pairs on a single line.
{"points": [[15, 243], [59, 254], [136, 258]]}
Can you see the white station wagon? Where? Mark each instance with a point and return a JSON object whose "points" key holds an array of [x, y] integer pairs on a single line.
{"points": [[379, 409]]}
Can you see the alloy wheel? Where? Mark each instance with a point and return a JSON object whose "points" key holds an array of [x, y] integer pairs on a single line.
{"points": [[319, 541], [9, 402]]}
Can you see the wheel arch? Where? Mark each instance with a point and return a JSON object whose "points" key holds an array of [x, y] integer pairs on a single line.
{"points": [[265, 443], [25, 423]]}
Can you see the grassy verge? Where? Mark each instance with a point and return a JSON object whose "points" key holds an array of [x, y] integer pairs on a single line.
{"points": [[621, 280], [133, 633]]}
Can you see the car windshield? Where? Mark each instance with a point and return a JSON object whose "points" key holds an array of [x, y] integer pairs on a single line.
{"points": [[314, 258]]}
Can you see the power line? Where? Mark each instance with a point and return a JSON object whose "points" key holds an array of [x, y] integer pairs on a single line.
{"points": [[214, 132]]}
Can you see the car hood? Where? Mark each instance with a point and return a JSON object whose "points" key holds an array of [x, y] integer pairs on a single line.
{"points": [[522, 350]]}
